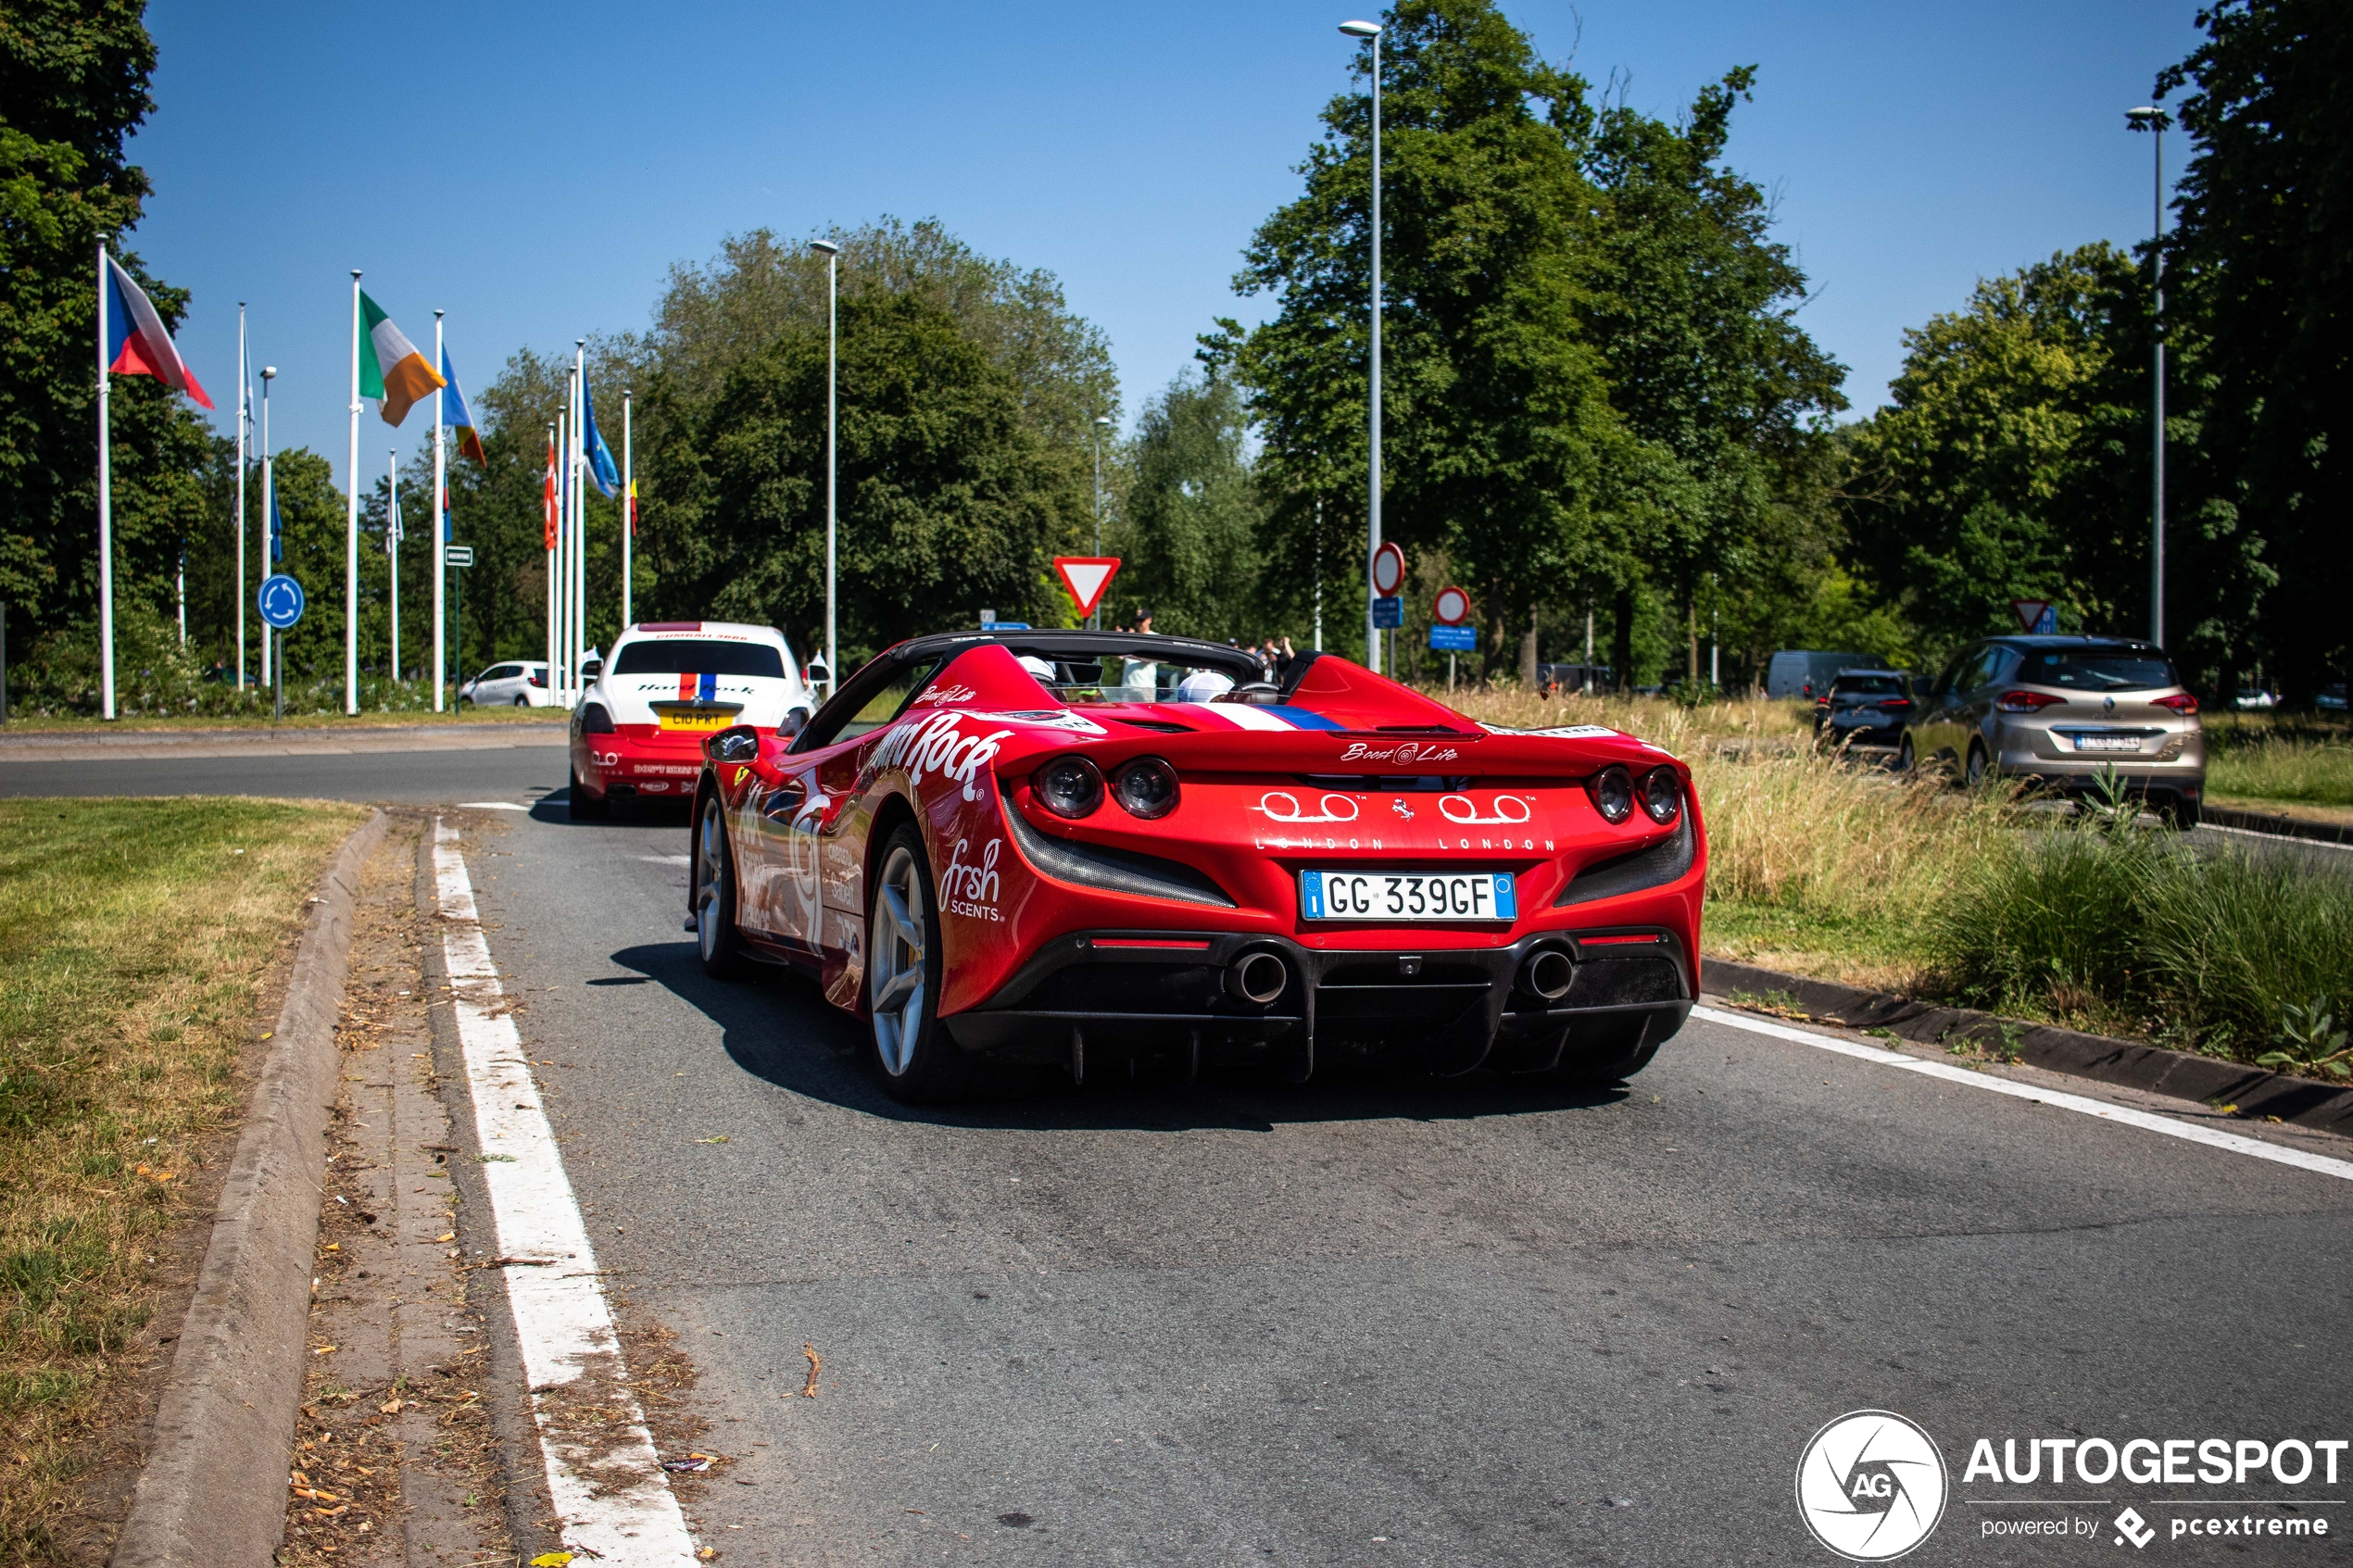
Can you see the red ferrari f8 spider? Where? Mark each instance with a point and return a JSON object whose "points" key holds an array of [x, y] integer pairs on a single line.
{"points": [[1092, 847]]}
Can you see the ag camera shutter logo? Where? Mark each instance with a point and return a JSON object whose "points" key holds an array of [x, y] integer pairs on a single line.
{"points": [[1871, 1486]]}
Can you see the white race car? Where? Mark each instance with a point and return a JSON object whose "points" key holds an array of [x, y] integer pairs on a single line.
{"points": [[666, 685]]}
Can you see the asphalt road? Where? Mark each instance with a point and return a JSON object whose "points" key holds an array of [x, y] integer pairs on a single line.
{"points": [[416, 778], [1369, 1321]]}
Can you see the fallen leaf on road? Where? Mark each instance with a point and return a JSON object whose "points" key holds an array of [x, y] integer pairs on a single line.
{"points": [[450, 1236], [721, 1138], [808, 1390], [390, 1407], [551, 1559]]}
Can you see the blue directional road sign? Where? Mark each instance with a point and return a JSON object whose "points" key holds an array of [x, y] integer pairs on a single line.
{"points": [[1454, 639], [280, 601], [1388, 612]]}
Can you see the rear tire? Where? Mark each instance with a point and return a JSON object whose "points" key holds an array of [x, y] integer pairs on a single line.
{"points": [[587, 808], [1904, 758], [521, 701], [2185, 815], [1974, 773], [917, 1062], [713, 895]]}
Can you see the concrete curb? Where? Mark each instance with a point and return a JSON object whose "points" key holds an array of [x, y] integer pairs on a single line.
{"points": [[213, 1489], [153, 745], [2278, 824], [2256, 1091]]}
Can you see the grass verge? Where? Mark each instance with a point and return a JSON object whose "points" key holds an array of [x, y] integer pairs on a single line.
{"points": [[2258, 765], [133, 939], [1827, 866]]}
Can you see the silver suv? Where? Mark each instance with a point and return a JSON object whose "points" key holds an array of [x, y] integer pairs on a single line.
{"points": [[2068, 712]]}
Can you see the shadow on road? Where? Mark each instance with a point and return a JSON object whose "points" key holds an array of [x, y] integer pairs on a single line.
{"points": [[776, 1026], [668, 816]]}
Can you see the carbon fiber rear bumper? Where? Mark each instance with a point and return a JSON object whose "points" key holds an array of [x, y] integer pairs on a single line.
{"points": [[1158, 993]]}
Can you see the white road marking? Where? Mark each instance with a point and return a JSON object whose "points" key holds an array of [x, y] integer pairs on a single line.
{"points": [[666, 859], [490, 806], [2280, 838], [2189, 1132], [613, 1498]]}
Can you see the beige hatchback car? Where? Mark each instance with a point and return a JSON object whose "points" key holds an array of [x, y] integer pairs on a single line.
{"points": [[2070, 713]]}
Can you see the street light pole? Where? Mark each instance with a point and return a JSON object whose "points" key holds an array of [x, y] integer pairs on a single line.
{"points": [[1371, 32], [1102, 423], [2155, 120], [832, 253]]}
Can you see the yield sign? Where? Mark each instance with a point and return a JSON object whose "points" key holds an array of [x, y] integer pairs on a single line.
{"points": [[2034, 615], [1085, 578]]}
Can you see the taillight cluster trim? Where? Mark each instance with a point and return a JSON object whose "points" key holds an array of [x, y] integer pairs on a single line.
{"points": [[1615, 792], [2023, 701], [2181, 703], [1072, 787]]}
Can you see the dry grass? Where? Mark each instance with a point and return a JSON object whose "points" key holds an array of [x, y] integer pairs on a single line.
{"points": [[134, 936], [258, 719], [1816, 864]]}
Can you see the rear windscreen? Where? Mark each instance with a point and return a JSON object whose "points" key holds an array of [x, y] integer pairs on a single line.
{"points": [[2092, 670], [1869, 685], [694, 656]]}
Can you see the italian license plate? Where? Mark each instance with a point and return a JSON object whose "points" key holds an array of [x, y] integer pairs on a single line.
{"points": [[1408, 896], [2108, 743], [697, 722]]}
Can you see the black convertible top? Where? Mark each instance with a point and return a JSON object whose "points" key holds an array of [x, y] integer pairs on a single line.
{"points": [[1060, 646]]}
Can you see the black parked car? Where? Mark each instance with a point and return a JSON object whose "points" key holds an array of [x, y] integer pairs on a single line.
{"points": [[1863, 708]]}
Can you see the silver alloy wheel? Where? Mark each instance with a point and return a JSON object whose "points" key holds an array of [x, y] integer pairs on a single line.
{"points": [[711, 877], [895, 980]]}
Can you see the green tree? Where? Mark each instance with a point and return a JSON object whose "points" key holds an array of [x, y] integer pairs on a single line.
{"points": [[1726, 397], [2260, 274], [2005, 465], [950, 497], [1497, 422], [73, 85], [1188, 535]]}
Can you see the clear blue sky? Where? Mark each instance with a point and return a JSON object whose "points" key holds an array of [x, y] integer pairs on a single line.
{"points": [[535, 170]]}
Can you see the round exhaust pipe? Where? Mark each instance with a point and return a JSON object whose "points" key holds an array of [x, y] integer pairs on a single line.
{"points": [[1258, 978], [1546, 974]]}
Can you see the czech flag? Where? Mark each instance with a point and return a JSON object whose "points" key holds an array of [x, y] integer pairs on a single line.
{"points": [[458, 415], [136, 343]]}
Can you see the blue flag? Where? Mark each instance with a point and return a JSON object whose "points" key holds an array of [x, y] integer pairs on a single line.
{"points": [[277, 524], [601, 467], [458, 415]]}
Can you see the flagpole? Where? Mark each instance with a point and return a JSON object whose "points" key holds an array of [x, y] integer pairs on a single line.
{"points": [[440, 512], [628, 508], [351, 528], [243, 410], [558, 667], [580, 492], [551, 570], [271, 646], [392, 548], [105, 511]]}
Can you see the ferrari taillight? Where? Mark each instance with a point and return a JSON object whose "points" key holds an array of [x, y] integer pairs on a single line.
{"points": [[1612, 791], [1145, 788], [1662, 795], [1068, 786]]}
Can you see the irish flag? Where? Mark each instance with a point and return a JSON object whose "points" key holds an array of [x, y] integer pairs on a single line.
{"points": [[391, 370]]}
